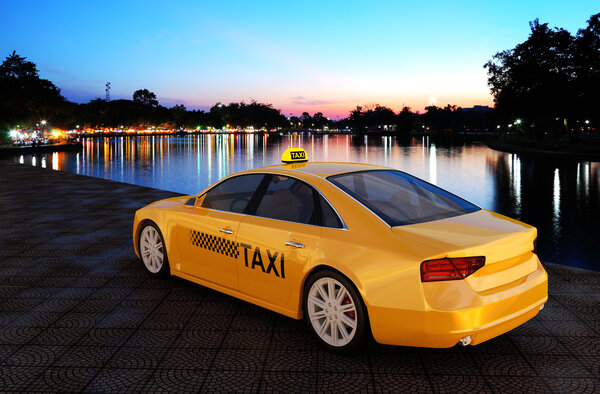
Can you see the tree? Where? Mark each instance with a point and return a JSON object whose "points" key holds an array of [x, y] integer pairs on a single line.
{"points": [[15, 66], [534, 80], [179, 115], [25, 98], [255, 114], [357, 119], [406, 120], [319, 121], [306, 120], [295, 122], [145, 97], [382, 115], [372, 116], [587, 60]]}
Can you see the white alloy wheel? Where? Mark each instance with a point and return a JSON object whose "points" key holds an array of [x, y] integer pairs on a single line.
{"points": [[152, 249], [332, 312]]}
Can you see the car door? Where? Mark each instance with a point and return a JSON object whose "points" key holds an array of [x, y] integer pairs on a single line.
{"points": [[206, 233], [278, 240]]}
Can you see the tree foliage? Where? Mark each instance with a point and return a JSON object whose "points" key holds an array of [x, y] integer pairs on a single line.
{"points": [[25, 98], [15, 66], [551, 79], [372, 116], [587, 68], [315, 122], [406, 120], [145, 98], [255, 114]]}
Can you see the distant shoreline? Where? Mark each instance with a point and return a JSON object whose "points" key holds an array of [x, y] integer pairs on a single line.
{"points": [[28, 150], [290, 131], [559, 154]]}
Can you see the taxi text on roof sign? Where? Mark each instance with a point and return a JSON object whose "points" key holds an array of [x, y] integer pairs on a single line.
{"points": [[294, 155]]}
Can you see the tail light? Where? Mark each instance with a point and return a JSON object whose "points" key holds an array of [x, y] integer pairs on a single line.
{"points": [[450, 268], [535, 245]]}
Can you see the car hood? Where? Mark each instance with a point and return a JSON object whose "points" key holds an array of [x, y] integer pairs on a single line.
{"points": [[481, 233]]}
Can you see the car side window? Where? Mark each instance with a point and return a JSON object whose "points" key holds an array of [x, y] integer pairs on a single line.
{"points": [[288, 199], [190, 202], [329, 217], [233, 194]]}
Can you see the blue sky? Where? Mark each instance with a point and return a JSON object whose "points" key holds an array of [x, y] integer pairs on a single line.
{"points": [[298, 55]]}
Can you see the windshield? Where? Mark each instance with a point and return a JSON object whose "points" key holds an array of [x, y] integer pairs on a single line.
{"points": [[398, 198]]}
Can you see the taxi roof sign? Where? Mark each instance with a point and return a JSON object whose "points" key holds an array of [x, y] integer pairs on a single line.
{"points": [[294, 155]]}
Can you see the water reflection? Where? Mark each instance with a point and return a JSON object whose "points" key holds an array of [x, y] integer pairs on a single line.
{"points": [[432, 165], [515, 172], [556, 201], [561, 198]]}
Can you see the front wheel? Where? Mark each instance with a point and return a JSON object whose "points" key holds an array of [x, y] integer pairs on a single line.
{"points": [[334, 311], [153, 251]]}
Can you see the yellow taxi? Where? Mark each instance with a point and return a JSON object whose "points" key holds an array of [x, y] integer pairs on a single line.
{"points": [[355, 249]]}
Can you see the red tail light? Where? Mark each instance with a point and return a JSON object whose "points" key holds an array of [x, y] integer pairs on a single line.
{"points": [[450, 269]]}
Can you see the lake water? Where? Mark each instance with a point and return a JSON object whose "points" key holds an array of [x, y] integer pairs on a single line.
{"points": [[560, 197]]}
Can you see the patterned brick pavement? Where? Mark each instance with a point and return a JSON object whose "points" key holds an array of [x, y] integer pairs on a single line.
{"points": [[79, 313]]}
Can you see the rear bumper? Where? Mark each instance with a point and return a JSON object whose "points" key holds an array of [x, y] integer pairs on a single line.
{"points": [[489, 317]]}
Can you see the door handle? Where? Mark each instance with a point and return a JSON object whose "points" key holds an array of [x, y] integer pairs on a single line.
{"points": [[226, 231], [294, 244]]}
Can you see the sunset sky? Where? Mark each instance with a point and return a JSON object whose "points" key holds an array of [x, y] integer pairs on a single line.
{"points": [[326, 56]]}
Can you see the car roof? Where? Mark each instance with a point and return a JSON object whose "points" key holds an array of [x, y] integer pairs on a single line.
{"points": [[320, 169]]}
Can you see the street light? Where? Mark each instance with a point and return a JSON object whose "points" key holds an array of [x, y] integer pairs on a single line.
{"points": [[518, 121]]}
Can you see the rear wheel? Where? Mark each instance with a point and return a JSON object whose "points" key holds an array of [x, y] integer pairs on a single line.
{"points": [[153, 251], [334, 311]]}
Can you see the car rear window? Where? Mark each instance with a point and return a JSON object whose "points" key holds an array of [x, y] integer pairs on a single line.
{"points": [[399, 198]]}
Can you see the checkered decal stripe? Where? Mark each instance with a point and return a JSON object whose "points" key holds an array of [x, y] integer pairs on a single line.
{"points": [[215, 244]]}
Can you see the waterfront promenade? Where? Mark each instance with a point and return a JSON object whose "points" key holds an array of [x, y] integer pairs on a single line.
{"points": [[79, 313]]}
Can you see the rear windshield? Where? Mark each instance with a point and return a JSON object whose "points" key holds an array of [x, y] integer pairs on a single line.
{"points": [[398, 198]]}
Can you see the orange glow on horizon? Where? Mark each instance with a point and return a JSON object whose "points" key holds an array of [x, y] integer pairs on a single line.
{"points": [[341, 111]]}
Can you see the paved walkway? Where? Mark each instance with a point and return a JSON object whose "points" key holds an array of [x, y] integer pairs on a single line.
{"points": [[78, 312]]}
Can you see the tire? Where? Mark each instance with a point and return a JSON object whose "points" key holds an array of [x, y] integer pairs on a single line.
{"points": [[335, 312], [153, 251]]}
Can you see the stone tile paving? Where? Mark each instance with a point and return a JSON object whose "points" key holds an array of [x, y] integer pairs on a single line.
{"points": [[78, 313]]}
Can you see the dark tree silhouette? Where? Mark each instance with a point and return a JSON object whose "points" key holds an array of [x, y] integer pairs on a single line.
{"points": [[257, 115], [406, 120], [551, 80], [15, 66], [372, 117], [180, 116], [25, 98], [587, 60], [145, 97]]}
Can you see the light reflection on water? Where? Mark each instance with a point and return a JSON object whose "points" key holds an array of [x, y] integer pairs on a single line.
{"points": [[561, 198], [556, 201]]}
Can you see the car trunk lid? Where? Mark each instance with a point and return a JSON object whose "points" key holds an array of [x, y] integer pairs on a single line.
{"points": [[507, 245]]}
